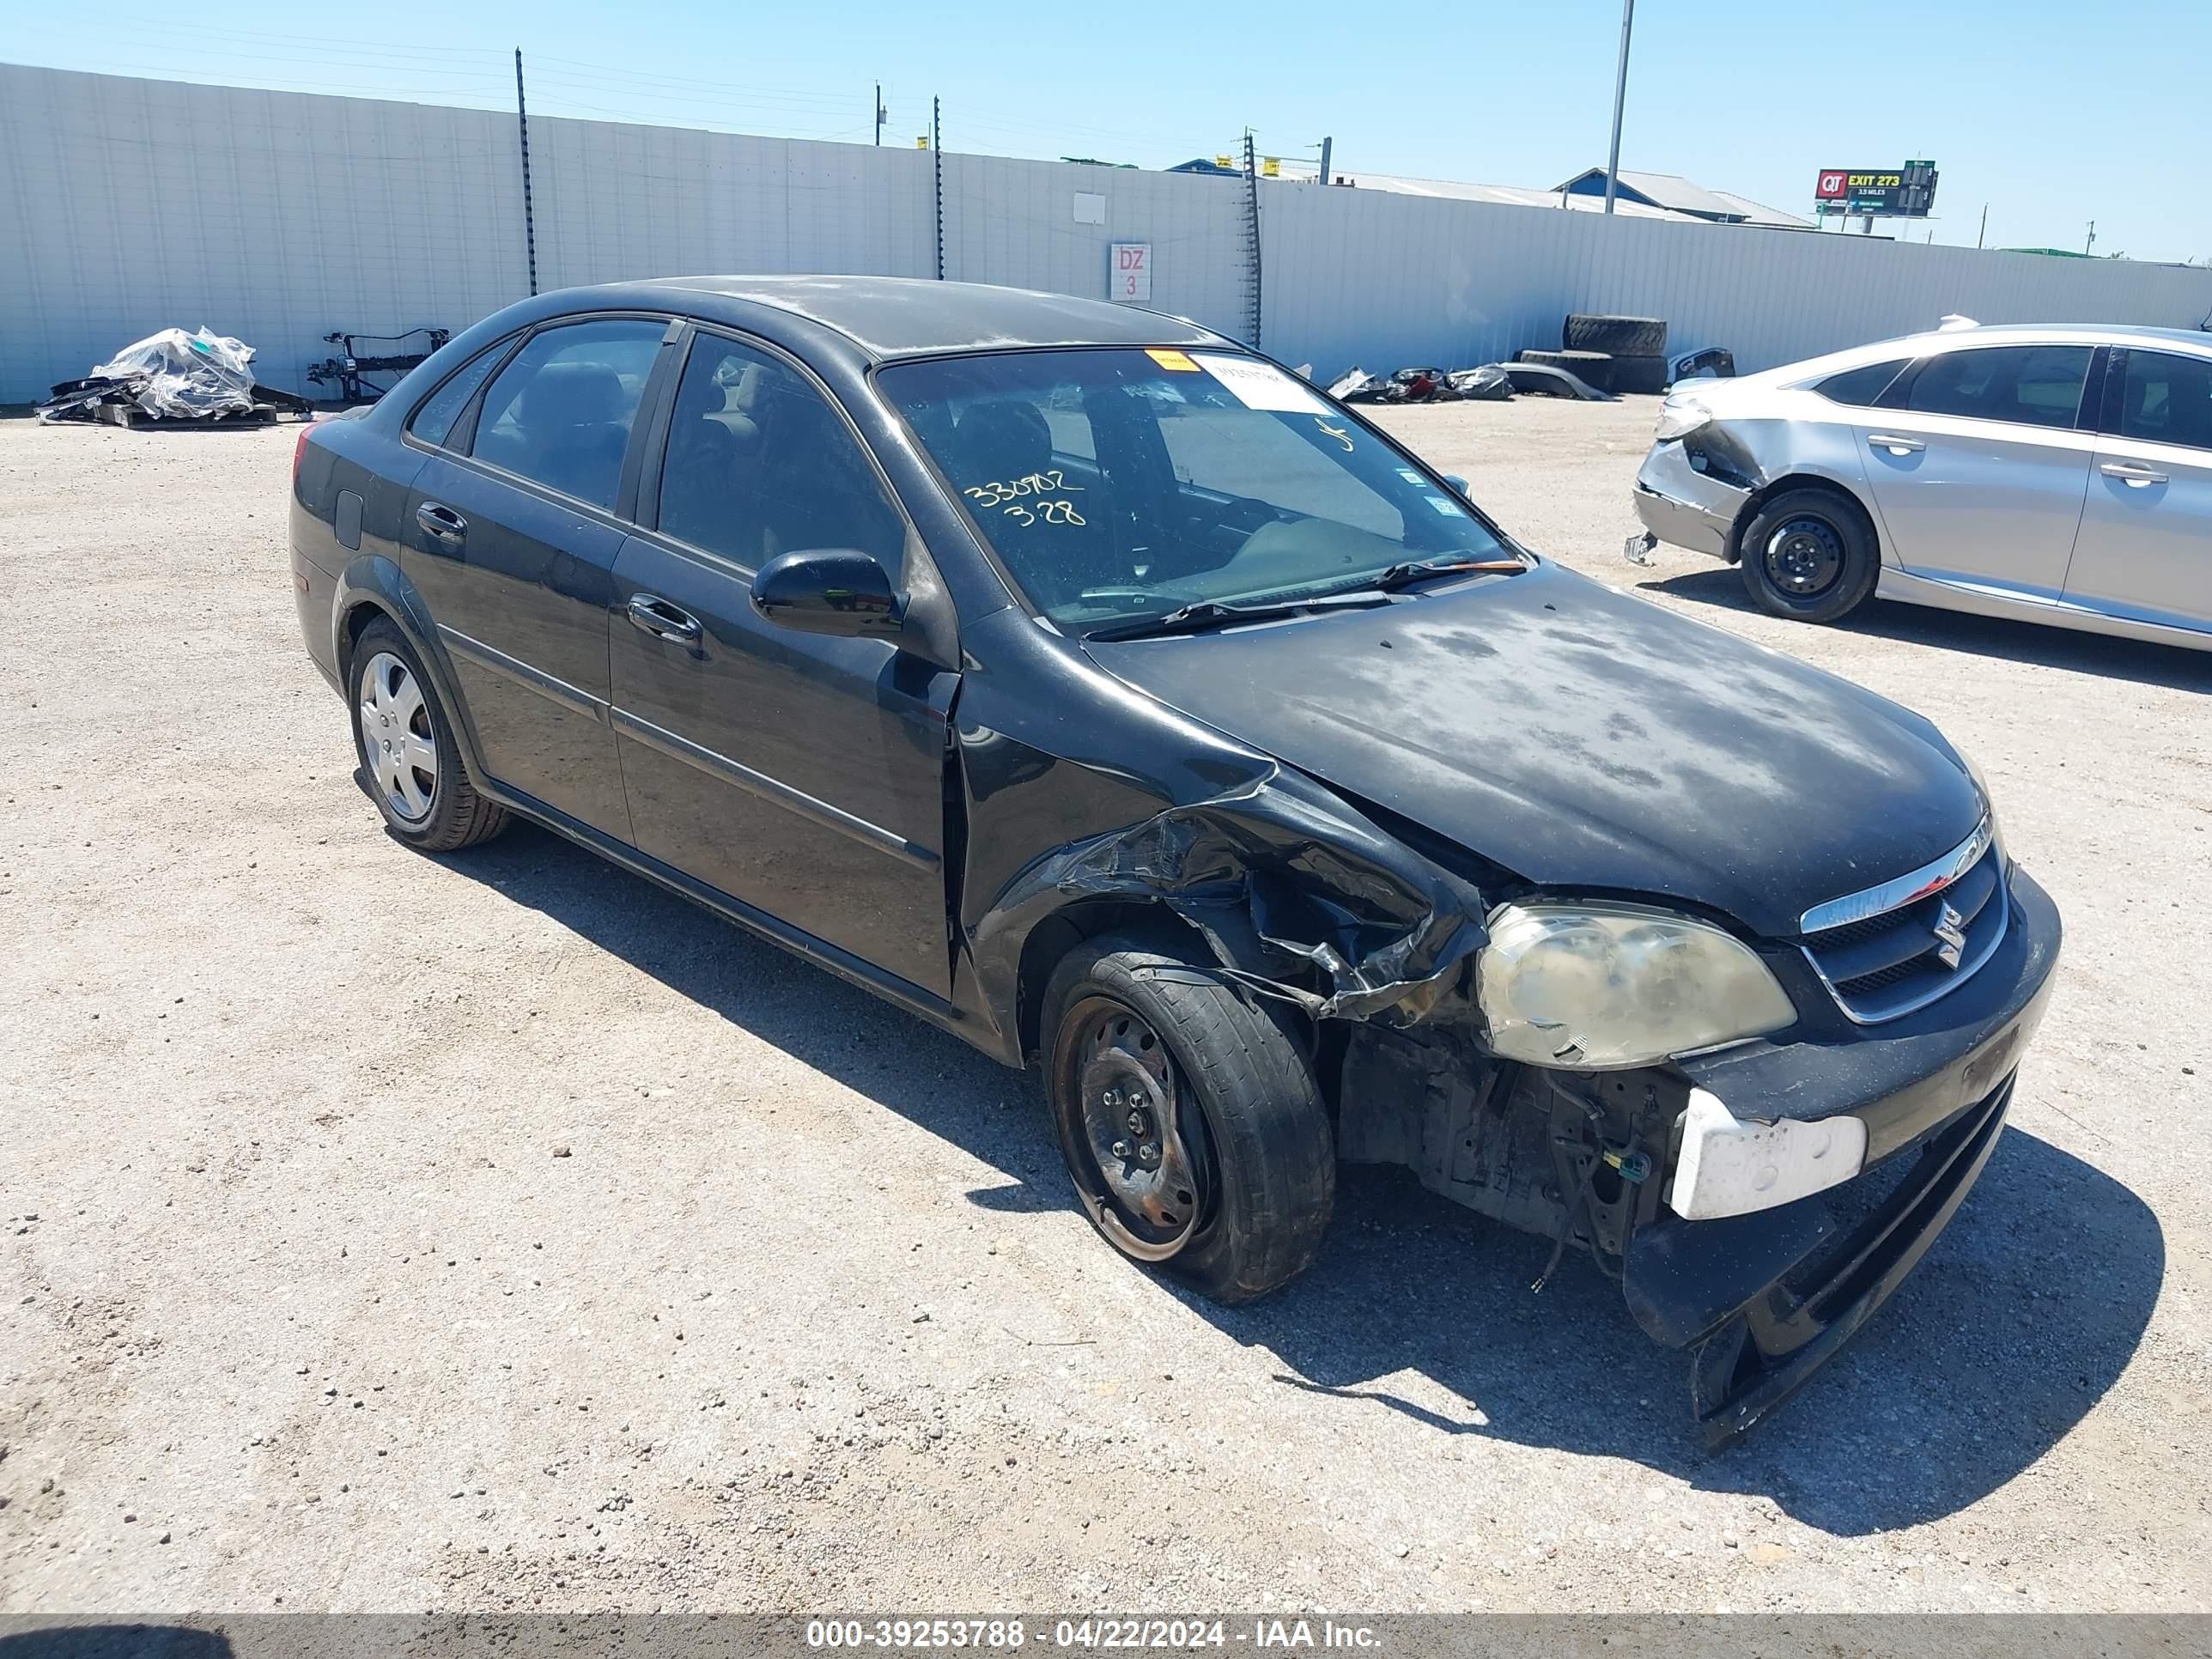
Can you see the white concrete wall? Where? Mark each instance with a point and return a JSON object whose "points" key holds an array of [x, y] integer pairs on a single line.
{"points": [[1391, 280], [128, 205]]}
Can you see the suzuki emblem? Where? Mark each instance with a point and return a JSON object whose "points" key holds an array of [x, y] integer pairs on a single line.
{"points": [[1950, 937]]}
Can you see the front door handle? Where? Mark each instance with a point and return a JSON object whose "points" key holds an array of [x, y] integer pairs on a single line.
{"points": [[441, 522], [656, 617], [1895, 444], [2135, 472]]}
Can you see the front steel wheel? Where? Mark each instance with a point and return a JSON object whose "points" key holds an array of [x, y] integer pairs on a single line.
{"points": [[1804, 558], [1810, 554], [1143, 1137], [1191, 1123]]}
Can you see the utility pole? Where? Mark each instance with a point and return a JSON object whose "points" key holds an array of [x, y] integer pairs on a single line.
{"points": [[522, 125], [2092, 242], [1325, 143], [881, 114], [1620, 102], [1984, 230], [936, 167]]}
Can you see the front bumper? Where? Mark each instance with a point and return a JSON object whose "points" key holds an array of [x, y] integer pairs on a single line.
{"points": [[1766, 1299], [1683, 506]]}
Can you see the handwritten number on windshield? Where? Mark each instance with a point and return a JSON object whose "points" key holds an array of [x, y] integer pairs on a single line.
{"points": [[1048, 512], [998, 494]]}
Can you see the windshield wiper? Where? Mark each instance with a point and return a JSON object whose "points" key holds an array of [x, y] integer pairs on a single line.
{"points": [[1420, 570], [1212, 613]]}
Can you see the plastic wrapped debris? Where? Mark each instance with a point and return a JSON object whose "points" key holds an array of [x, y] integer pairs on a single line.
{"points": [[1419, 385], [1488, 383], [1356, 386], [171, 376]]}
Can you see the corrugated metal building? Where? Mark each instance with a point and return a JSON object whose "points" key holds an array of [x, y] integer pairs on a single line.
{"points": [[128, 205]]}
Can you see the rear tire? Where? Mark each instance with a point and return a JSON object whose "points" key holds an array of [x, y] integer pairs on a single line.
{"points": [[1156, 1068], [1593, 368], [1639, 374], [1618, 336], [1810, 554], [409, 761]]}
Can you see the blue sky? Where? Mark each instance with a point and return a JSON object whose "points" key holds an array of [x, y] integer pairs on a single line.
{"points": [[2053, 114]]}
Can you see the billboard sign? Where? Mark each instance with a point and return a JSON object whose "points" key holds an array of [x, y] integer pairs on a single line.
{"points": [[1908, 191]]}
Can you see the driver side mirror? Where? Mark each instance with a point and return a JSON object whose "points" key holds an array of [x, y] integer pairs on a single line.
{"points": [[828, 589], [1458, 484]]}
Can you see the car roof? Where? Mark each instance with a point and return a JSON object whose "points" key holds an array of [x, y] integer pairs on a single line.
{"points": [[887, 318], [1985, 334], [1809, 369]]}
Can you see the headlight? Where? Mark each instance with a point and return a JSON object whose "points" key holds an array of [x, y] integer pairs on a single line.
{"points": [[1599, 986], [1678, 420]]}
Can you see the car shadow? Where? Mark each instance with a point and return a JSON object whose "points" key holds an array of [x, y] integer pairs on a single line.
{"points": [[2172, 667], [66, 1639], [1990, 1352]]}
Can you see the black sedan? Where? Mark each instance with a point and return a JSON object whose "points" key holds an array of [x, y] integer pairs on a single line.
{"points": [[1096, 688]]}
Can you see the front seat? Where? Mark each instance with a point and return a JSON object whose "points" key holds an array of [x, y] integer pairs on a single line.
{"points": [[572, 430]]}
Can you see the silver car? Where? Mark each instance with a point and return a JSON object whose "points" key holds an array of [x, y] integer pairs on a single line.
{"points": [[2054, 474]]}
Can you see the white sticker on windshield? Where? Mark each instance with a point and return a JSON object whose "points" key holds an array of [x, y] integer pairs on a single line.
{"points": [[1261, 385], [1446, 508], [1411, 477]]}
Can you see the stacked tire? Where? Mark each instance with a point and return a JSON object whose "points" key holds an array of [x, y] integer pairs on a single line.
{"points": [[1614, 354]]}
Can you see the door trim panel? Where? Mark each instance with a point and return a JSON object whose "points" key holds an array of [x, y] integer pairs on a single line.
{"points": [[772, 789], [574, 698]]}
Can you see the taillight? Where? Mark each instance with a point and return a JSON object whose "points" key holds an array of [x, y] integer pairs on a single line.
{"points": [[299, 450]]}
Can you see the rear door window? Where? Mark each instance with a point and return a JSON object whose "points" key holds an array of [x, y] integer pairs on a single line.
{"points": [[2167, 399], [2031, 385], [560, 413]]}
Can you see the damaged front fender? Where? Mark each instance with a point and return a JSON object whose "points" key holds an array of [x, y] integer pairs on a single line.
{"points": [[1296, 892], [1298, 895]]}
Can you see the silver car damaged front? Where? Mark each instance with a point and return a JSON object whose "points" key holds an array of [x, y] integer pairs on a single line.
{"points": [[2070, 523], [1720, 444]]}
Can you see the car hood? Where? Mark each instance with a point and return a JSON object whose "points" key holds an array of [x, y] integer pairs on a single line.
{"points": [[1586, 740]]}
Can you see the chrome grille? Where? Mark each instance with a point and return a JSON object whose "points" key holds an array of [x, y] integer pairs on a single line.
{"points": [[1940, 924]]}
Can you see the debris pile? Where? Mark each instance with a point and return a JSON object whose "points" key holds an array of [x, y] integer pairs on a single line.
{"points": [[172, 376], [1423, 386]]}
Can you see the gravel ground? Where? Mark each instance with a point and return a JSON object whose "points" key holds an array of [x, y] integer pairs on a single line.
{"points": [[385, 1232]]}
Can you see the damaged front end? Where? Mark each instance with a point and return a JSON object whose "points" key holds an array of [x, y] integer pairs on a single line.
{"points": [[1758, 1178], [1698, 1184]]}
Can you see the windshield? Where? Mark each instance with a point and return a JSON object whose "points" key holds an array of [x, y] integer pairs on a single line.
{"points": [[1123, 484]]}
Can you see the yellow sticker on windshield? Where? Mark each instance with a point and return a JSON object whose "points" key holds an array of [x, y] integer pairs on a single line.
{"points": [[1175, 360]]}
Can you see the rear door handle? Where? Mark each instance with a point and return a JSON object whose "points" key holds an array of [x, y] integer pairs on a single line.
{"points": [[441, 522], [1895, 444], [2137, 474], [656, 617]]}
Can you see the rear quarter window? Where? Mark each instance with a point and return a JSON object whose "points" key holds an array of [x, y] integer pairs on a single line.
{"points": [[434, 420], [1861, 388]]}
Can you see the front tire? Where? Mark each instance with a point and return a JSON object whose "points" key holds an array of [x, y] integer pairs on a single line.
{"points": [[1809, 555], [409, 761], [1191, 1123]]}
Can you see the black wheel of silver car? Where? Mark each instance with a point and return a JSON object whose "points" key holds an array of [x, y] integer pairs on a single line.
{"points": [[405, 743], [1809, 555], [1190, 1121]]}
